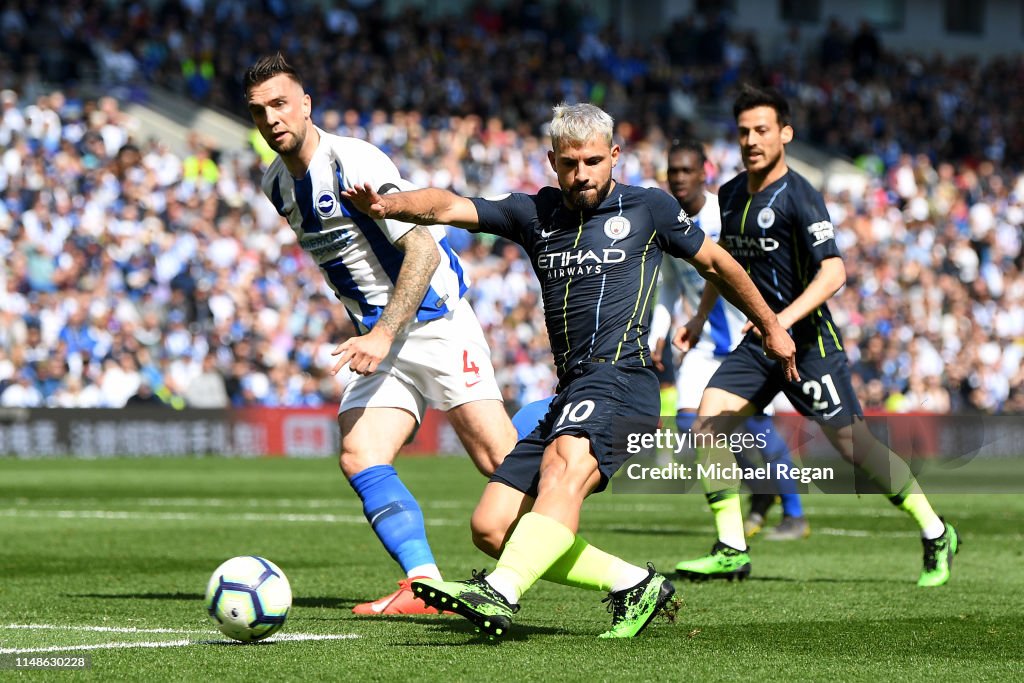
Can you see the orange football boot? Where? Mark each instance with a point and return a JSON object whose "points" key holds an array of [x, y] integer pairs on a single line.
{"points": [[402, 601]]}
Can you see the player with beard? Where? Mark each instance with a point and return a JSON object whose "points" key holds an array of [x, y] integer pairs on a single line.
{"points": [[776, 224], [596, 246], [419, 341], [707, 339]]}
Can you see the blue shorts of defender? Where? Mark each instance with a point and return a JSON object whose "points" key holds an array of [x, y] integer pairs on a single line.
{"points": [[599, 401], [824, 392]]}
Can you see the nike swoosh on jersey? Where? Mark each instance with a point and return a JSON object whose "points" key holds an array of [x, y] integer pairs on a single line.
{"points": [[544, 234], [833, 413]]}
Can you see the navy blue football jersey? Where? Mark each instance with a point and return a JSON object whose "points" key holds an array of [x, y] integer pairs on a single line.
{"points": [[781, 235], [597, 268]]}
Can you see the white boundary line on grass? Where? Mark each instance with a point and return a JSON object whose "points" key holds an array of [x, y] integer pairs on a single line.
{"points": [[285, 637], [100, 629]]}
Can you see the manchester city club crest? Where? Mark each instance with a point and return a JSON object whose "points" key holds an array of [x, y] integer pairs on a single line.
{"points": [[326, 203], [766, 218], [616, 227]]}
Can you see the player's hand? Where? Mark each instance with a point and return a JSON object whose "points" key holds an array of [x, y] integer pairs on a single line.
{"points": [[366, 199], [748, 326], [687, 336], [363, 354], [778, 345], [657, 353]]}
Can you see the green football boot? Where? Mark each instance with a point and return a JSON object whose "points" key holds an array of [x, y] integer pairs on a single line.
{"points": [[473, 599], [938, 557], [633, 608], [724, 562]]}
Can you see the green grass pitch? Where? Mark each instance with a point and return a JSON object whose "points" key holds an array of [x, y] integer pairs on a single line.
{"points": [[114, 556]]}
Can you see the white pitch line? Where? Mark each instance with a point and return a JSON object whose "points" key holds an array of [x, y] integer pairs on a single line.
{"points": [[101, 629], [171, 643], [200, 517]]}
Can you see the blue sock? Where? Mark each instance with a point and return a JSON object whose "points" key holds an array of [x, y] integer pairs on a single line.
{"points": [[684, 421], [394, 515], [776, 452]]}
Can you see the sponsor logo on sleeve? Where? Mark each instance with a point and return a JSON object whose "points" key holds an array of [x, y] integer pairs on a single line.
{"points": [[822, 232]]}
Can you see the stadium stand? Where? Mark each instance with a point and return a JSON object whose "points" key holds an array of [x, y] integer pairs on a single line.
{"points": [[127, 263]]}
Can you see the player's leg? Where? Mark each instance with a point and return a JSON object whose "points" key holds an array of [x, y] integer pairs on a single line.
{"points": [[826, 393], [582, 566], [542, 542], [696, 370], [378, 415], [739, 388], [451, 364], [728, 558], [776, 453], [485, 430]]}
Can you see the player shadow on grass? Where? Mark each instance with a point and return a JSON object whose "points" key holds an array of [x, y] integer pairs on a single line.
{"points": [[458, 626], [329, 603], [139, 596], [649, 531], [825, 579]]}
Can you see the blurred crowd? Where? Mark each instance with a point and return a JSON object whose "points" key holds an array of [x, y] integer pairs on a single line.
{"points": [[132, 275]]}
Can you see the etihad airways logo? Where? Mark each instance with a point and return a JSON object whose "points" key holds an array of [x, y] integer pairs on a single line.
{"points": [[579, 262], [747, 244]]}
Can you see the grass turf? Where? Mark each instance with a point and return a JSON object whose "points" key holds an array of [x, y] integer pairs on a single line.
{"points": [[130, 544]]}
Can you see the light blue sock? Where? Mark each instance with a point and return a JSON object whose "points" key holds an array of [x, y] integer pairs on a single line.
{"points": [[776, 452], [394, 514]]}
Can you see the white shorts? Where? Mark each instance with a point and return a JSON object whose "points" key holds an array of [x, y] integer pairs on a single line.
{"points": [[443, 362], [693, 376]]}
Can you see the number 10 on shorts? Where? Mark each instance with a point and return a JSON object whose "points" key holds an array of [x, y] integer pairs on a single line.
{"points": [[575, 412]]}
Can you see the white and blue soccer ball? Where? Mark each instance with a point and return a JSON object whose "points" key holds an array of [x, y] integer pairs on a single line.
{"points": [[248, 597]]}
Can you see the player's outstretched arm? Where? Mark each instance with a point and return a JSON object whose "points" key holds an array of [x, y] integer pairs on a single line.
{"points": [[429, 206], [722, 270]]}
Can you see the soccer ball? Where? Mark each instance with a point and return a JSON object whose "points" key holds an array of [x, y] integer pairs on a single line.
{"points": [[248, 597]]}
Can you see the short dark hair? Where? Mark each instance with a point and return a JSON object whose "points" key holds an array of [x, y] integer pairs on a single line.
{"points": [[689, 145], [266, 68], [751, 97]]}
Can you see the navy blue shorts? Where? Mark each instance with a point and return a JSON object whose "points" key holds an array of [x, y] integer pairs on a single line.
{"points": [[824, 392], [599, 401]]}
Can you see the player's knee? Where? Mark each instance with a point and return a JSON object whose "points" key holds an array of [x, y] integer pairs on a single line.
{"points": [[352, 462], [492, 456], [488, 454], [489, 535]]}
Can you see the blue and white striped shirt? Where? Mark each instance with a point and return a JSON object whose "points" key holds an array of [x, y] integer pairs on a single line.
{"points": [[356, 253]]}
